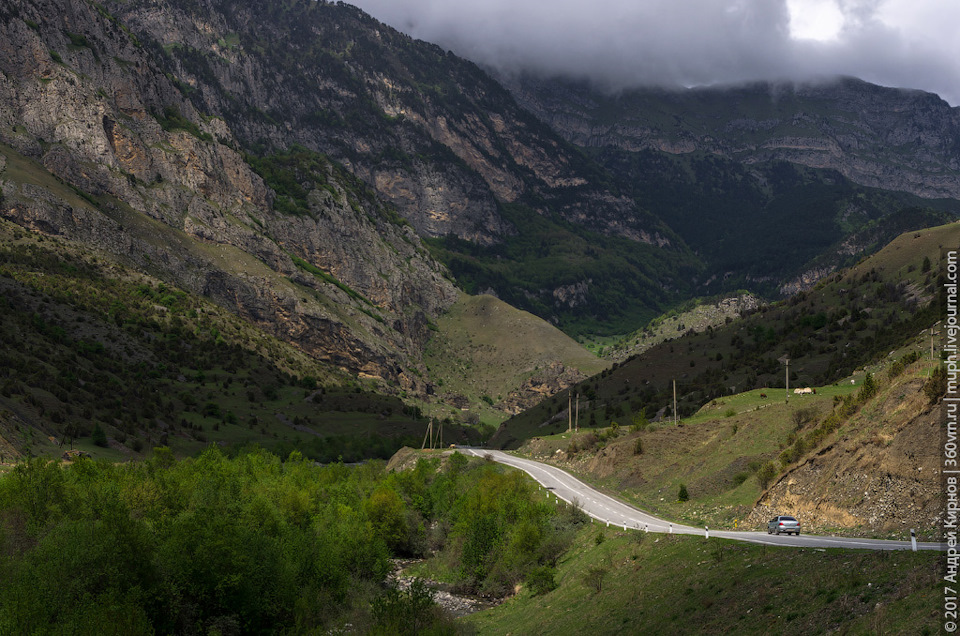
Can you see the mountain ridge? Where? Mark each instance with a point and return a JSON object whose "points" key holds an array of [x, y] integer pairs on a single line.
{"points": [[897, 139]]}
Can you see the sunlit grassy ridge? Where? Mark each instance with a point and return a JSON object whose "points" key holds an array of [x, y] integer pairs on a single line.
{"points": [[483, 349]]}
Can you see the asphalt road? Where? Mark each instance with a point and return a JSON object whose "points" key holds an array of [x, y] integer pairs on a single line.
{"points": [[606, 509]]}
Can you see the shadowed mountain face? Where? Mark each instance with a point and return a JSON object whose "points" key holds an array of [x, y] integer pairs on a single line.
{"points": [[889, 138], [183, 113], [772, 185]]}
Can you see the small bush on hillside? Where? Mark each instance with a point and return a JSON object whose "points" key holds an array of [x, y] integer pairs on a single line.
{"points": [[936, 385], [682, 494], [640, 421], [802, 416], [98, 437], [593, 578], [638, 447], [869, 388], [542, 580], [766, 474], [587, 441]]}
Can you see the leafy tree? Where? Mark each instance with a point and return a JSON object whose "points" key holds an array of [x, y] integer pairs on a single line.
{"points": [[542, 580], [99, 437], [385, 510]]}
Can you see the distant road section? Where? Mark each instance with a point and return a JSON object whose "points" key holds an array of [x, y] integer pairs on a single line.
{"points": [[607, 509]]}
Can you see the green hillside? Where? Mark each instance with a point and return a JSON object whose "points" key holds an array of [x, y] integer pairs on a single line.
{"points": [[848, 320], [758, 226], [486, 351], [587, 282], [614, 582]]}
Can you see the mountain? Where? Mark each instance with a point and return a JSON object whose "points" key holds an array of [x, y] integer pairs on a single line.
{"points": [[889, 138], [285, 159], [772, 185], [332, 182]]}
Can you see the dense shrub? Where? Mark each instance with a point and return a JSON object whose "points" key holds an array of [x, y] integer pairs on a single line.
{"points": [[542, 580]]}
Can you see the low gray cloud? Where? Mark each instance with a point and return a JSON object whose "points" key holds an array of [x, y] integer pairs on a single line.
{"points": [[625, 43]]}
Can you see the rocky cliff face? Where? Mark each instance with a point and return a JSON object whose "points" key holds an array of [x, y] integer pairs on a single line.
{"points": [[430, 132], [132, 126], [887, 138], [102, 146]]}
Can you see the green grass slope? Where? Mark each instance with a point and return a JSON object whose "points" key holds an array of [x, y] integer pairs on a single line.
{"points": [[614, 582], [496, 356]]}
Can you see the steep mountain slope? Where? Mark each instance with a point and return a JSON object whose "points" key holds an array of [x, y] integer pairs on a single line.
{"points": [[773, 227], [490, 355], [430, 132], [253, 152], [96, 355], [773, 186]]}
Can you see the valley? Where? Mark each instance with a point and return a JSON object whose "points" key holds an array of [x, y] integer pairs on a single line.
{"points": [[251, 253]]}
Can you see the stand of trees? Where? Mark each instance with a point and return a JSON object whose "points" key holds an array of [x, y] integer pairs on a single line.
{"points": [[253, 544]]}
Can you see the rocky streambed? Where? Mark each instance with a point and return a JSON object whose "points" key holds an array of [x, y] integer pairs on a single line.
{"points": [[456, 605]]}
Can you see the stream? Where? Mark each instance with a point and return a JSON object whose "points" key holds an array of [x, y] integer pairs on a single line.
{"points": [[456, 605]]}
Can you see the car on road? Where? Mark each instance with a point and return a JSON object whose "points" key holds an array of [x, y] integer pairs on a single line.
{"points": [[783, 524]]}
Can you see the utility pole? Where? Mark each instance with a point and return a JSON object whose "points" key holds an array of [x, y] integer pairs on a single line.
{"points": [[786, 361], [578, 413], [674, 401], [787, 398], [440, 436], [428, 435], [569, 411]]}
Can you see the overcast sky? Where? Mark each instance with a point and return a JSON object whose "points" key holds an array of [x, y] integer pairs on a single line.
{"points": [[618, 43]]}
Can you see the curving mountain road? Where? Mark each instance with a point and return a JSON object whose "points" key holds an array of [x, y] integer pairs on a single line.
{"points": [[615, 512]]}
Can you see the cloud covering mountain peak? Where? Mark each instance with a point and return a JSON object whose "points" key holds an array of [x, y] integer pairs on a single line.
{"points": [[627, 43]]}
